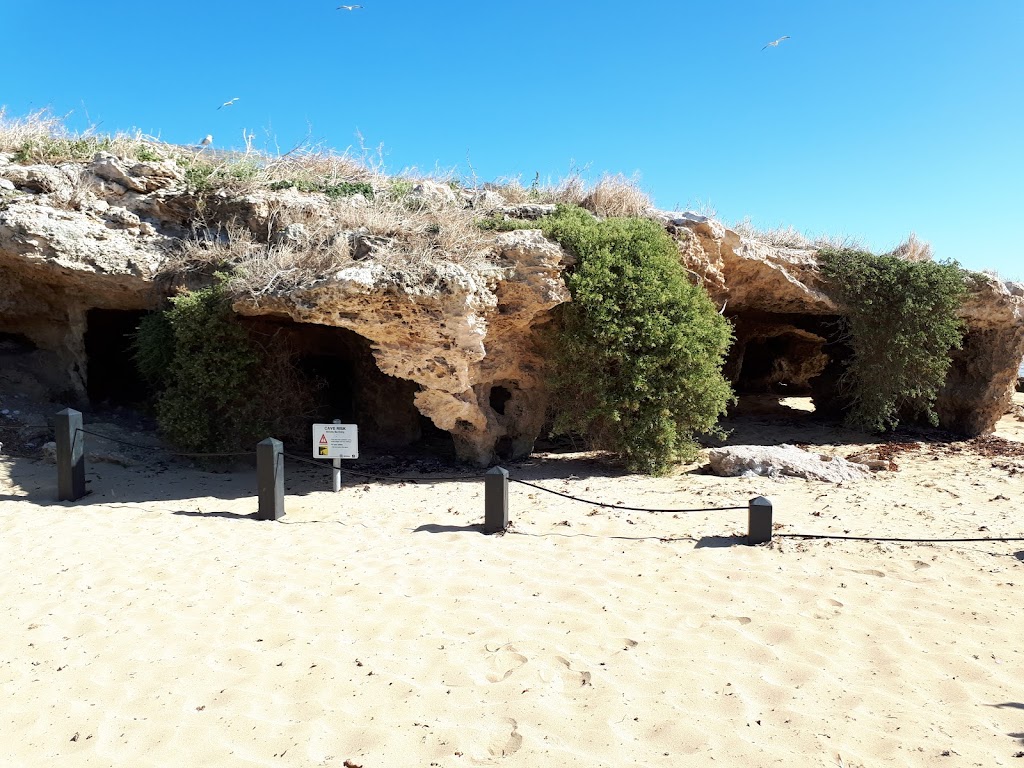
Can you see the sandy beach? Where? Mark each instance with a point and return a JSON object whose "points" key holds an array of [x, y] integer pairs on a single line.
{"points": [[155, 623]]}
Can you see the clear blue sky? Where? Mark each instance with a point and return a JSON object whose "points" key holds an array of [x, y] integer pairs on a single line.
{"points": [[874, 119]]}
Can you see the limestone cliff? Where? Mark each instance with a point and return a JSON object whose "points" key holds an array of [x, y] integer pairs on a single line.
{"points": [[449, 313]]}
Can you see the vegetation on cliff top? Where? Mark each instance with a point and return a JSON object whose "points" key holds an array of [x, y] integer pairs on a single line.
{"points": [[901, 321]]}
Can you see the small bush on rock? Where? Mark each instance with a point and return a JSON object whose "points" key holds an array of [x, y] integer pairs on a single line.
{"points": [[638, 361], [901, 318]]}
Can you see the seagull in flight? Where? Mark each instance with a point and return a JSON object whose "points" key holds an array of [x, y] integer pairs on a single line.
{"points": [[348, 7], [775, 43], [228, 103], [207, 140]]}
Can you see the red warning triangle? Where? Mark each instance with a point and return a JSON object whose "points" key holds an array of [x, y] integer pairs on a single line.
{"points": [[323, 439]]}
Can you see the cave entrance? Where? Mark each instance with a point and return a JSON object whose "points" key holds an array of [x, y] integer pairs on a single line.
{"points": [[111, 376], [350, 386], [775, 361], [336, 396]]}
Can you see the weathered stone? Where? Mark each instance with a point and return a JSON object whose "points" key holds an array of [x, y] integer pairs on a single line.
{"points": [[43, 179], [485, 200], [121, 217], [783, 460], [529, 211], [432, 194], [110, 168]]}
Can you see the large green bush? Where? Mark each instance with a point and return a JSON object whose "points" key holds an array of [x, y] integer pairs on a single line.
{"points": [[218, 389], [901, 320], [637, 365]]}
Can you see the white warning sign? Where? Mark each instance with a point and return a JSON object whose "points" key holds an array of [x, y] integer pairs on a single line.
{"points": [[335, 441]]}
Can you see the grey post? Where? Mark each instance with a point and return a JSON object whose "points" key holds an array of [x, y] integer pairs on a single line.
{"points": [[759, 521], [270, 478], [495, 500], [70, 455], [336, 474]]}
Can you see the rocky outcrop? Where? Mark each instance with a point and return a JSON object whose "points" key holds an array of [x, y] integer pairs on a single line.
{"points": [[776, 295], [455, 336], [458, 334]]}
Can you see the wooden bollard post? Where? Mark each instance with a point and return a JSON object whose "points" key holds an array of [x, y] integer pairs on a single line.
{"points": [[270, 479], [70, 455], [495, 500], [759, 521]]}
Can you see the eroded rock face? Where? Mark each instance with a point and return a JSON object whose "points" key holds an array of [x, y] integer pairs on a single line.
{"points": [[981, 381], [57, 264], [457, 334], [754, 279], [457, 344]]}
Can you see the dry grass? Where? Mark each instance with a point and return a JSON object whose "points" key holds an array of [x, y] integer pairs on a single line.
{"points": [[790, 237], [617, 196], [42, 138], [410, 238], [913, 249]]}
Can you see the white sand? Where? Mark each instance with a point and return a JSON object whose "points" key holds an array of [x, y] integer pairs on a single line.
{"points": [[152, 624]]}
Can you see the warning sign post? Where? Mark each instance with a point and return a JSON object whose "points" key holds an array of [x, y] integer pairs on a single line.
{"points": [[335, 441]]}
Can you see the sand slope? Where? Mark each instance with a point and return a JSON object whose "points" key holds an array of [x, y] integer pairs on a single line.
{"points": [[154, 623]]}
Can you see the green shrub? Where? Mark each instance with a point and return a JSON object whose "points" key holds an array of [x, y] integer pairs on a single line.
{"points": [[153, 346], [901, 321], [399, 189], [333, 191], [637, 363], [146, 154], [42, 149], [219, 390], [204, 175], [348, 189]]}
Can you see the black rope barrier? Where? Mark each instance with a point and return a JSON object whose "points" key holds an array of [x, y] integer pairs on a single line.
{"points": [[891, 538], [158, 448], [394, 478], [619, 506]]}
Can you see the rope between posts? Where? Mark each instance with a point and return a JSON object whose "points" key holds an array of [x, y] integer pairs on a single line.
{"points": [[401, 478], [619, 506], [890, 538], [151, 447]]}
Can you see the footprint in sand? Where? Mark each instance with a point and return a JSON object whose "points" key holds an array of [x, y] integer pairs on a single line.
{"points": [[506, 743], [829, 605], [872, 572], [919, 564], [575, 675], [503, 662]]}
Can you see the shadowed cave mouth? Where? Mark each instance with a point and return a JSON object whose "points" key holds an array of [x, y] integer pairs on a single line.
{"points": [[15, 344], [111, 376], [774, 365], [353, 389]]}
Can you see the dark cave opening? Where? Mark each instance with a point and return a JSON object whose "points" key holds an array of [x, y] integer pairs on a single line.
{"points": [[15, 344], [112, 378], [336, 396], [498, 399], [350, 386]]}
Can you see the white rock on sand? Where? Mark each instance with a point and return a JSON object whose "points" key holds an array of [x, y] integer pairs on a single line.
{"points": [[154, 623], [779, 460]]}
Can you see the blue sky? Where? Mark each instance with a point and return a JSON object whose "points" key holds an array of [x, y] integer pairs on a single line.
{"points": [[874, 119]]}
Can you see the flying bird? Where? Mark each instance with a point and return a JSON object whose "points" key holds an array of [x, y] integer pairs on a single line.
{"points": [[207, 140], [348, 7], [775, 43], [228, 103]]}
